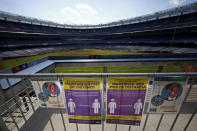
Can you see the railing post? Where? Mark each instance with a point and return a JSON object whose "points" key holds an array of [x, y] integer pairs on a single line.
{"points": [[158, 125], [116, 127], [191, 117], [52, 127], [103, 113], [31, 103], [187, 93], [16, 100], [3, 126], [26, 105], [12, 117], [129, 128], [77, 127], [61, 110], [89, 127], [146, 119]]}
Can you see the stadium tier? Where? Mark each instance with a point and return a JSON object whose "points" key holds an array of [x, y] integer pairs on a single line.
{"points": [[172, 30]]}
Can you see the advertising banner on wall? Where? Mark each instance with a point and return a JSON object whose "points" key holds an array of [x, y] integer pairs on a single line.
{"points": [[125, 100], [167, 94], [49, 92], [83, 100]]}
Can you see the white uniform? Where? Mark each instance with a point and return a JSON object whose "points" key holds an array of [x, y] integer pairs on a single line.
{"points": [[137, 107], [112, 107], [72, 106], [96, 106]]}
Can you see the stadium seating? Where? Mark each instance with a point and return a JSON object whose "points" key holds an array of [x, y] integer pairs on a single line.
{"points": [[150, 32]]}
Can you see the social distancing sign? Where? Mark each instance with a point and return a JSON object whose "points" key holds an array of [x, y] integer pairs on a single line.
{"points": [[49, 92], [125, 100], [83, 99], [167, 94]]}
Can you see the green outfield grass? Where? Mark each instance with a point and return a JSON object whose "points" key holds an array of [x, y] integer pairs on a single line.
{"points": [[85, 50], [78, 70], [152, 69], [14, 62], [171, 69]]}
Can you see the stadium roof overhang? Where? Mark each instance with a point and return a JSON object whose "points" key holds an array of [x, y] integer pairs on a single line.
{"points": [[189, 8]]}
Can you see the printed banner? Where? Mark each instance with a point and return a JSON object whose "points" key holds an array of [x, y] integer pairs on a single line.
{"points": [[83, 100], [125, 100], [49, 93], [167, 94]]}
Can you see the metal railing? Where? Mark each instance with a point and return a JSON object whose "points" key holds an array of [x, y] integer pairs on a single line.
{"points": [[17, 111]]}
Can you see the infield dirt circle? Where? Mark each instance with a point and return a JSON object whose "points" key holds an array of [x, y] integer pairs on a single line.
{"points": [[87, 51]]}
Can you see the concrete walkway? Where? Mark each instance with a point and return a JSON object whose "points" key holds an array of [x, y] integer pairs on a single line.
{"points": [[43, 123]]}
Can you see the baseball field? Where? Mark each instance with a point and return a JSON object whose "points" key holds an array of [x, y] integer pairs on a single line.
{"points": [[8, 63]]}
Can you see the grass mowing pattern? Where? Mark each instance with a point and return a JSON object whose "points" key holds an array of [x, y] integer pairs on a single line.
{"points": [[14, 62], [78, 70], [171, 69], [132, 69], [116, 69], [85, 50]]}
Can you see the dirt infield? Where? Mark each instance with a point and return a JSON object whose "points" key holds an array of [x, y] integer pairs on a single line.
{"points": [[1, 68], [87, 51], [189, 68], [11, 62]]}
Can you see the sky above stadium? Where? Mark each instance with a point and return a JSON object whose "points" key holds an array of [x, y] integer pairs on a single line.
{"points": [[87, 11]]}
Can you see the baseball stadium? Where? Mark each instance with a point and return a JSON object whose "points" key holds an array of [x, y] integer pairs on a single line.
{"points": [[132, 74]]}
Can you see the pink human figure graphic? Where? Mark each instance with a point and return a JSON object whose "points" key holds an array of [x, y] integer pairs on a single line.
{"points": [[53, 90], [174, 90]]}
